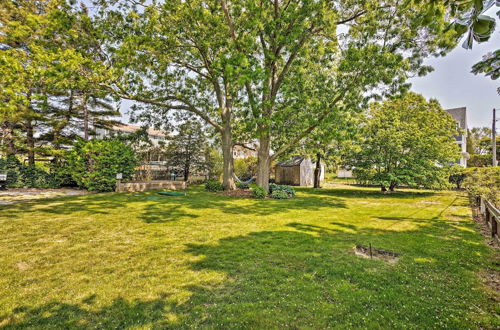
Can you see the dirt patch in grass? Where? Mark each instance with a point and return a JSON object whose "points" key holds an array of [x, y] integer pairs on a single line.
{"points": [[242, 193], [373, 253], [22, 266]]}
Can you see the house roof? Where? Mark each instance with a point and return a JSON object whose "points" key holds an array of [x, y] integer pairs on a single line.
{"points": [[460, 115], [126, 128], [294, 161]]}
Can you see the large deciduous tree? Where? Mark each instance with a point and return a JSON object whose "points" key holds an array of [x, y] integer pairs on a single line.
{"points": [[310, 60], [269, 70], [406, 140], [177, 56]]}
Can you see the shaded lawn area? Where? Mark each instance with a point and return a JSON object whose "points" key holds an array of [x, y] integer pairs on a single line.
{"points": [[206, 260]]}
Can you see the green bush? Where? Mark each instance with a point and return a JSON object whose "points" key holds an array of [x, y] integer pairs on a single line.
{"points": [[484, 182], [29, 176], [242, 185], [62, 173], [279, 194], [94, 164], [213, 186], [281, 190], [10, 166], [258, 192], [457, 176], [477, 160], [34, 177]]}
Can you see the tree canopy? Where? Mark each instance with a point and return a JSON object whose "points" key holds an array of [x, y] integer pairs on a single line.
{"points": [[50, 73], [406, 141], [272, 71]]}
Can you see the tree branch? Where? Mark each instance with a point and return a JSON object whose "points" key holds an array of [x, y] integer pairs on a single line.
{"points": [[185, 105], [304, 133], [244, 146]]}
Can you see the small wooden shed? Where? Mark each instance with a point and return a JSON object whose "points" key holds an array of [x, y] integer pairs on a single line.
{"points": [[297, 171]]}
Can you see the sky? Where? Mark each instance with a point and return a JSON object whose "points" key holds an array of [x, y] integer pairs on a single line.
{"points": [[453, 85]]}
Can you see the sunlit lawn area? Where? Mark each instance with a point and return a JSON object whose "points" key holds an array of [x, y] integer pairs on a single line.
{"points": [[207, 260]]}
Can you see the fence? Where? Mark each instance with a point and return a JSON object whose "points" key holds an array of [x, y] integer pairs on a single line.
{"points": [[149, 185], [157, 175], [491, 215]]}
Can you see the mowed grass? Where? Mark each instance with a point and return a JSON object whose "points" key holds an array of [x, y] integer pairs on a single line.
{"points": [[207, 260]]}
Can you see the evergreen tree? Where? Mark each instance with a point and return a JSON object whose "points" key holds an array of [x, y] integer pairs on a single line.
{"points": [[186, 150]]}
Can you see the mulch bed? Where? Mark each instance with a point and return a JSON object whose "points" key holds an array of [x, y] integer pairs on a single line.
{"points": [[242, 193]]}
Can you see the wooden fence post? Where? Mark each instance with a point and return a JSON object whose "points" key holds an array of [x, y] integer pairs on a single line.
{"points": [[494, 230]]}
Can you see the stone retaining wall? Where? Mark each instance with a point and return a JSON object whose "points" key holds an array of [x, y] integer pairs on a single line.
{"points": [[149, 185]]}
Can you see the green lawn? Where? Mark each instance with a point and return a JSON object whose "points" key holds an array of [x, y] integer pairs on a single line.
{"points": [[206, 260]]}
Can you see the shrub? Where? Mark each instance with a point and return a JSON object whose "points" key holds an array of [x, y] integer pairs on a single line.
{"points": [[457, 176], [242, 185], [10, 166], [94, 164], [279, 194], [30, 176], [477, 160], [283, 189], [34, 177], [258, 192], [484, 182], [213, 186], [62, 173]]}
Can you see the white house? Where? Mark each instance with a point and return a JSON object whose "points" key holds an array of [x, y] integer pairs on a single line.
{"points": [[154, 135], [460, 117]]}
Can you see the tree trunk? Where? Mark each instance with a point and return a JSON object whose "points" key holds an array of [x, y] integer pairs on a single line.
{"points": [[264, 161], [317, 171], [30, 142], [8, 139], [383, 188], [186, 171], [85, 118], [392, 186], [227, 155]]}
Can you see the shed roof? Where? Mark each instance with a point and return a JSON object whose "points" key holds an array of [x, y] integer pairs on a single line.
{"points": [[294, 161]]}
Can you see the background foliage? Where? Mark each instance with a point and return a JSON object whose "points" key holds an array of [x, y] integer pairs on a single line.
{"points": [[406, 140]]}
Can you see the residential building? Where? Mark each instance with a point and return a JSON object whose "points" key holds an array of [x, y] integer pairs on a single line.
{"points": [[460, 117], [155, 136], [240, 152]]}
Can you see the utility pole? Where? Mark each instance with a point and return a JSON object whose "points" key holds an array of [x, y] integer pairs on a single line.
{"points": [[494, 139]]}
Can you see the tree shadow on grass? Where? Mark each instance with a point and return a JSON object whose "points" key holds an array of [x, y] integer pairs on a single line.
{"points": [[120, 314], [305, 277], [98, 204], [311, 278], [166, 208], [367, 193], [176, 209], [163, 212]]}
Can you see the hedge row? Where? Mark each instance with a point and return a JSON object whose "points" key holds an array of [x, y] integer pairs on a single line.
{"points": [[484, 182], [92, 165], [29, 176]]}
